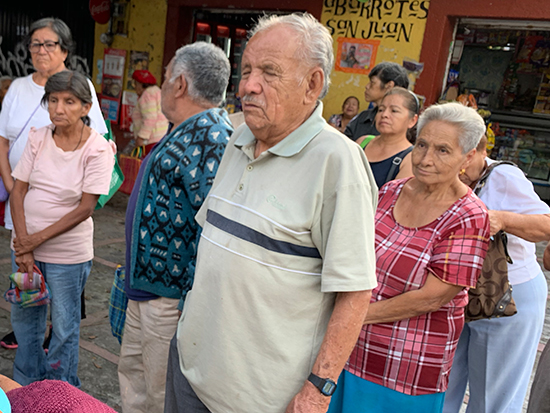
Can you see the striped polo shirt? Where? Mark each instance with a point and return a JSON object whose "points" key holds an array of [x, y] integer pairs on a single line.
{"points": [[282, 234]]}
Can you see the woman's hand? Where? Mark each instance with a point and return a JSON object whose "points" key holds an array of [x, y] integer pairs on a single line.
{"points": [[25, 262], [25, 244], [496, 220]]}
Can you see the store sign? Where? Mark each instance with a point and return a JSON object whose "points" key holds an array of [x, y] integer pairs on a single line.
{"points": [[111, 88], [376, 19], [367, 33], [100, 10]]}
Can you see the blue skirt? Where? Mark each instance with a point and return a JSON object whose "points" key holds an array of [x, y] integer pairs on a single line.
{"points": [[356, 395]]}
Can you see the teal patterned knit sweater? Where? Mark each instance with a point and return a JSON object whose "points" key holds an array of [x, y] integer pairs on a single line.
{"points": [[178, 177]]}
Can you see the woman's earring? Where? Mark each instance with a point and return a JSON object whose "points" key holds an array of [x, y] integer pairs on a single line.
{"points": [[462, 171]]}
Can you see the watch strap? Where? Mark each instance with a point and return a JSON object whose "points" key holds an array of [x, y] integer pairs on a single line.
{"points": [[325, 386]]}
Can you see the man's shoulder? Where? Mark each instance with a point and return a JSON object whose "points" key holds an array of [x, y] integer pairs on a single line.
{"points": [[213, 123], [367, 114], [332, 140]]}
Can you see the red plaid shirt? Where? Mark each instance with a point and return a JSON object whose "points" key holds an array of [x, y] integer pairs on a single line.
{"points": [[414, 356]]}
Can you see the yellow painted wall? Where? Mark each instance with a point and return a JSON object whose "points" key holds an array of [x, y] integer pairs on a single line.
{"points": [[398, 24], [146, 27]]}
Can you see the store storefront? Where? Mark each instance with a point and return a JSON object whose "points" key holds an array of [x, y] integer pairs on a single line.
{"points": [[506, 68], [499, 54]]}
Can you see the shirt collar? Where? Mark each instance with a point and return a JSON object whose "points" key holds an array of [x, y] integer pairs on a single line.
{"points": [[370, 115], [295, 141]]}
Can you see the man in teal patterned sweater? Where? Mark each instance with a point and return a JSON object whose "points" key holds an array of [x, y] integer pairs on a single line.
{"points": [[162, 234]]}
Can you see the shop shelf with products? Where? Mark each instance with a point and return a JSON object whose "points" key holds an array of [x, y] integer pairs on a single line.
{"points": [[524, 140]]}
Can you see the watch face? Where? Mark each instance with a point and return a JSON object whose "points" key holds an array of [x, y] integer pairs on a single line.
{"points": [[328, 389]]}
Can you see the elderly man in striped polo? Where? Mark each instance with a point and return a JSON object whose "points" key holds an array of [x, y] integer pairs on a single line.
{"points": [[286, 258]]}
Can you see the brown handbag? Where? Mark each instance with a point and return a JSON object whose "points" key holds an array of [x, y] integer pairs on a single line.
{"points": [[492, 296]]}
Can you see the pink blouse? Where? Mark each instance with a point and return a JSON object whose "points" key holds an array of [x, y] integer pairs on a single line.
{"points": [[56, 181], [149, 122]]}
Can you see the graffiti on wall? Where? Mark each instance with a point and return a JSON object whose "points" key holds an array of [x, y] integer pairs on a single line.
{"points": [[17, 63], [375, 19]]}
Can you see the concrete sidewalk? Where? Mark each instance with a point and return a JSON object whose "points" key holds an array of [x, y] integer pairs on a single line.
{"points": [[99, 350]]}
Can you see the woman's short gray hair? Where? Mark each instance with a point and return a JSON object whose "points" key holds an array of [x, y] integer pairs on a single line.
{"points": [[315, 41], [470, 124], [59, 27], [69, 81], [206, 70]]}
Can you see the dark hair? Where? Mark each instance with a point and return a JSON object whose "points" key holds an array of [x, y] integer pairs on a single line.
{"points": [[69, 81], [411, 100], [411, 103], [351, 97], [388, 71], [59, 27]]}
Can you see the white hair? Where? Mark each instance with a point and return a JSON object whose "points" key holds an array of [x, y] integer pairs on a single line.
{"points": [[206, 70], [315, 41], [467, 120]]}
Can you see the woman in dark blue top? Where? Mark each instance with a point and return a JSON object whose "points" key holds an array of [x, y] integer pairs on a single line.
{"points": [[389, 153]]}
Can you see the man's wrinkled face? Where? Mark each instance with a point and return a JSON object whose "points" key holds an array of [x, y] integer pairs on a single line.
{"points": [[167, 93], [272, 86]]}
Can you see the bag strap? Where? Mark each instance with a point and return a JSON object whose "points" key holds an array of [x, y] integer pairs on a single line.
{"points": [[396, 162], [483, 179], [479, 185], [23, 128], [366, 141]]}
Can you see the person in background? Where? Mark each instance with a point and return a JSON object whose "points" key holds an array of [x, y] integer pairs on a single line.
{"points": [[64, 169], [539, 400], [5, 83], [349, 111], [496, 356], [50, 44], [389, 153], [432, 235], [150, 125], [285, 265], [382, 78], [161, 232]]}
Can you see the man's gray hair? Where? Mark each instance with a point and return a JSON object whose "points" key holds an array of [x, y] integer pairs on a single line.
{"points": [[206, 70], [315, 41], [470, 124], [4, 78]]}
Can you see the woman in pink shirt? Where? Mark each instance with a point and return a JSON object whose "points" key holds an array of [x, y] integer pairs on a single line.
{"points": [[150, 125], [64, 169]]}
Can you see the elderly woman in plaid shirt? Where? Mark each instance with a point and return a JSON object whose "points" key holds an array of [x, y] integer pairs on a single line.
{"points": [[432, 235]]}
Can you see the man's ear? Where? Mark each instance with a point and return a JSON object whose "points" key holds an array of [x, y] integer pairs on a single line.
{"points": [[315, 81], [389, 85], [180, 86]]}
